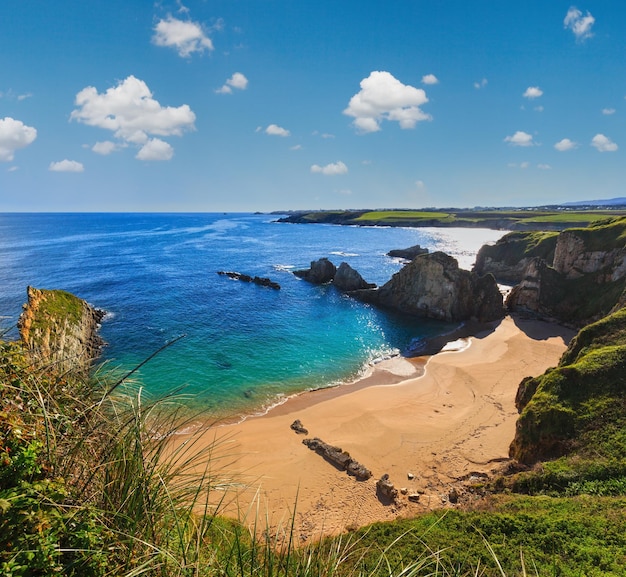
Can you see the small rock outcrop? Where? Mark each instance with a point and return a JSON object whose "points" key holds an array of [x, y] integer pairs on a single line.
{"points": [[339, 458], [60, 330], [408, 253], [299, 428], [261, 281], [385, 489], [433, 286], [322, 271], [347, 279]]}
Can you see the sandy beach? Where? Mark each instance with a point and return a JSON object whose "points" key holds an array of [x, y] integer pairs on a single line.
{"points": [[429, 428]]}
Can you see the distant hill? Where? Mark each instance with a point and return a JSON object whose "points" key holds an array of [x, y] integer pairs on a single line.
{"points": [[621, 201]]}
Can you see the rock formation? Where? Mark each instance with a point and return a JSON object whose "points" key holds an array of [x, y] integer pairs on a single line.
{"points": [[347, 279], [59, 330], [408, 253], [299, 428], [434, 286], [322, 271], [261, 281], [339, 458], [385, 489], [587, 279], [508, 258], [573, 257]]}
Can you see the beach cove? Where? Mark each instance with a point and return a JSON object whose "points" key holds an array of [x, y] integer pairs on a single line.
{"points": [[429, 432]]}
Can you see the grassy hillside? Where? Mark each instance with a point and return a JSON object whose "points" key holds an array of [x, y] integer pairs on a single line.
{"points": [[577, 411], [517, 219]]}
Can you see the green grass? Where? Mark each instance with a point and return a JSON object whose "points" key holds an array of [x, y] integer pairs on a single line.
{"points": [[402, 215], [58, 304], [565, 537]]}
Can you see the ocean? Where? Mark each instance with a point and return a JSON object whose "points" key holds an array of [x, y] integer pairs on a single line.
{"points": [[245, 347]]}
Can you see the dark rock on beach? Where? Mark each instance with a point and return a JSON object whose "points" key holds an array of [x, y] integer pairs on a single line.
{"points": [[385, 489], [299, 428], [339, 458]]}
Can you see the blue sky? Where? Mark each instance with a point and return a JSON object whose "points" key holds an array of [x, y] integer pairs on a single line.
{"points": [[242, 105]]}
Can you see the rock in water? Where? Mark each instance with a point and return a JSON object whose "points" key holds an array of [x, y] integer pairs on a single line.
{"points": [[433, 286], [347, 279], [408, 253], [321, 271]]}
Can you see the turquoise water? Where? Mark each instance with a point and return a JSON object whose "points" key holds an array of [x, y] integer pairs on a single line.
{"points": [[245, 346]]}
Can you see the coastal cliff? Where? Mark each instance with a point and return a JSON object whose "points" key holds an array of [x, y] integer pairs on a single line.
{"points": [[60, 330], [584, 280], [433, 286], [508, 258]]}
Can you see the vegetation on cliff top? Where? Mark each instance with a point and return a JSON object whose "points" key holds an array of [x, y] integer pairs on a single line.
{"points": [[513, 219]]}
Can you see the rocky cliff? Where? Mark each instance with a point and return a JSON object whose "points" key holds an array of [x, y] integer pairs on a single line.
{"points": [[508, 258], [59, 330], [584, 281], [433, 286]]}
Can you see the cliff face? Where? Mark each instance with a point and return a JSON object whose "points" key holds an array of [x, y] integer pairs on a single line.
{"points": [[508, 258], [60, 330], [573, 259], [586, 280], [434, 286]]}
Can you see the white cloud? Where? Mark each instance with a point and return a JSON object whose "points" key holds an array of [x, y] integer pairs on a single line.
{"points": [[66, 166], [608, 111], [420, 184], [565, 144], [237, 80], [580, 25], [481, 84], [104, 148], [13, 168], [185, 37], [544, 167], [296, 147], [330, 169], [383, 97], [155, 149], [275, 130], [430, 79], [538, 108], [533, 92], [14, 134], [524, 164], [131, 113], [520, 138], [603, 143]]}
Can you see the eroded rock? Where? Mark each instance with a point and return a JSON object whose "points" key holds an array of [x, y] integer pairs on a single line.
{"points": [[339, 458]]}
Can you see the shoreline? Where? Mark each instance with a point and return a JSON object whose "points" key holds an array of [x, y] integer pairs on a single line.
{"points": [[430, 432]]}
